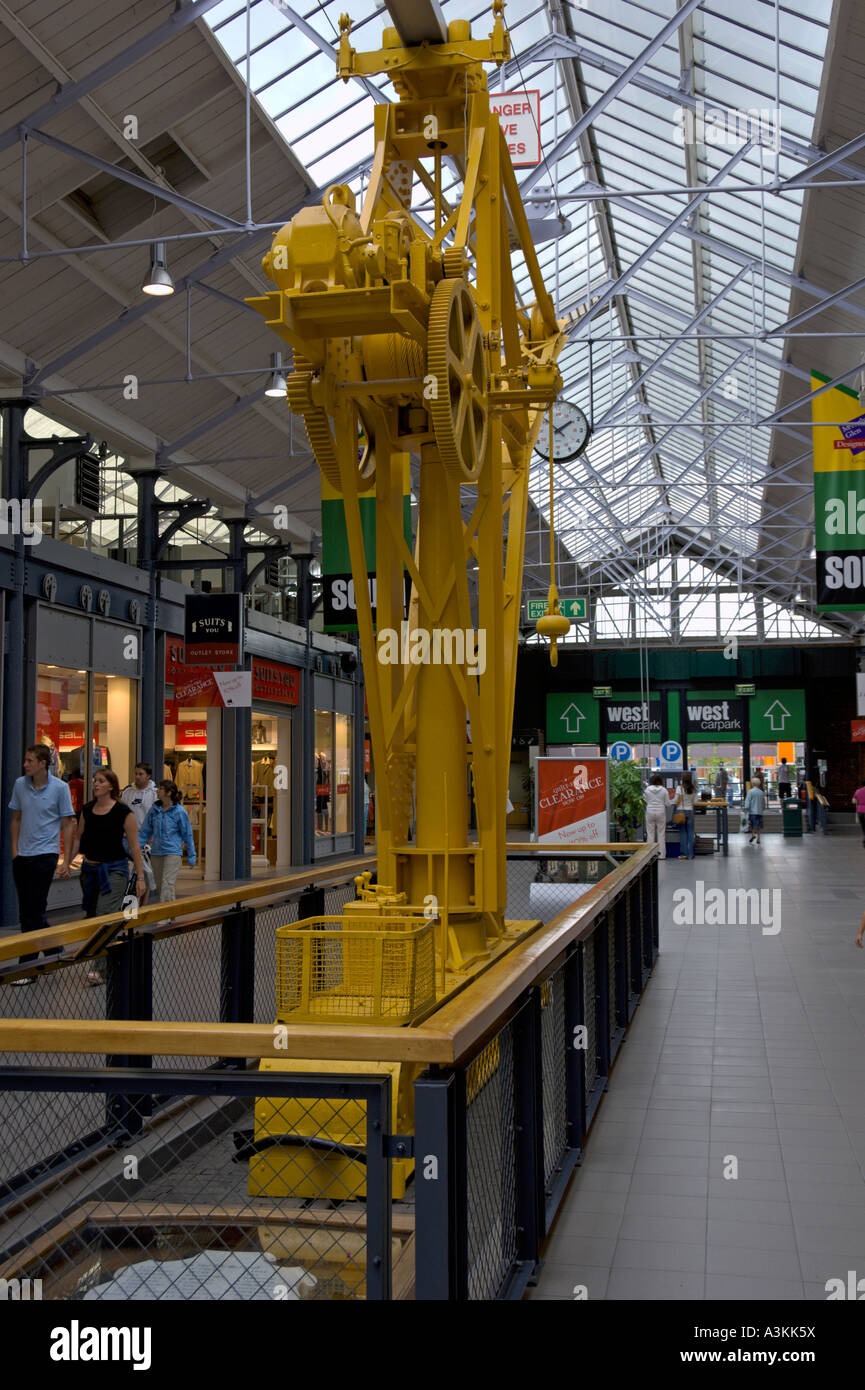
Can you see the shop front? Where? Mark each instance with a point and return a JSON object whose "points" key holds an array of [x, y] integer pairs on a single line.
{"points": [[86, 705], [193, 756], [333, 784]]}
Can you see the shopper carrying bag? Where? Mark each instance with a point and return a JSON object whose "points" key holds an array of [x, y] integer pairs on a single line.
{"points": [[683, 816], [105, 828], [167, 830]]}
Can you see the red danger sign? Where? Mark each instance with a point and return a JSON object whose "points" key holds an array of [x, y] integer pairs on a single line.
{"points": [[519, 116]]}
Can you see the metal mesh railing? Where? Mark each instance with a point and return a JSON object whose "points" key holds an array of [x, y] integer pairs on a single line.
{"points": [[554, 1099], [267, 919], [491, 1167], [33, 1129], [541, 886], [176, 975], [228, 1194]]}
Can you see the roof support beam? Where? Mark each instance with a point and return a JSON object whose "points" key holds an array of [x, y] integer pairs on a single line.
{"points": [[556, 46], [71, 92], [640, 209], [829, 161], [211, 423], [168, 195], [668, 351], [219, 258], [323, 46], [687, 212], [568, 141], [767, 358]]}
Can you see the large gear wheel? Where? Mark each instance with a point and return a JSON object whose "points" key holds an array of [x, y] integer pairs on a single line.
{"points": [[457, 362], [320, 434]]}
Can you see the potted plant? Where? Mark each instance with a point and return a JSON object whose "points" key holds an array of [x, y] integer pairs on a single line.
{"points": [[627, 801]]}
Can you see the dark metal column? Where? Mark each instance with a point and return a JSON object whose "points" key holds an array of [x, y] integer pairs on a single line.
{"points": [[14, 485], [236, 789], [307, 769], [152, 685]]}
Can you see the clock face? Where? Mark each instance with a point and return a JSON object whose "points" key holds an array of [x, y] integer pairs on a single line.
{"points": [[570, 432]]}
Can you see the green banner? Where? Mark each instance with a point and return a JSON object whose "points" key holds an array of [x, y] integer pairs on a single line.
{"points": [[839, 497], [572, 717], [339, 606], [777, 716]]}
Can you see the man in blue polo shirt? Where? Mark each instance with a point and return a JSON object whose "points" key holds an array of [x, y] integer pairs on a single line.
{"points": [[42, 807]]}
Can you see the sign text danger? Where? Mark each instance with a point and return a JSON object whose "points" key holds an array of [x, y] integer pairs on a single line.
{"points": [[519, 115]]}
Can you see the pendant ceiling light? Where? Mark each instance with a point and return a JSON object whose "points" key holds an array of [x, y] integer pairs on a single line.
{"points": [[278, 385], [158, 279]]}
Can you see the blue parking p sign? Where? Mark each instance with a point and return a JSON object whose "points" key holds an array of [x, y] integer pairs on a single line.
{"points": [[671, 759], [620, 752]]}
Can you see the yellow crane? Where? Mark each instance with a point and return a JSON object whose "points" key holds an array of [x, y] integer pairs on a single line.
{"points": [[409, 339]]}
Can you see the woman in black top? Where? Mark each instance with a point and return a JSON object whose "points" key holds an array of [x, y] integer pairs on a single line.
{"points": [[99, 836]]}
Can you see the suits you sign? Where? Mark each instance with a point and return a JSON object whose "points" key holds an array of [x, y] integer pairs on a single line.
{"points": [[213, 629]]}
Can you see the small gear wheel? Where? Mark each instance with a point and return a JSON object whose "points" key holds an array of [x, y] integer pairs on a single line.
{"points": [[456, 360], [454, 262]]}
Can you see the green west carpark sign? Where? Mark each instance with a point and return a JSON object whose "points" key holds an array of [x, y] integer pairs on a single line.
{"points": [[568, 607], [573, 717], [777, 716]]}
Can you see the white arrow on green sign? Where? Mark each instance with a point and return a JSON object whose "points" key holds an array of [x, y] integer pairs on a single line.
{"points": [[568, 607], [572, 717]]}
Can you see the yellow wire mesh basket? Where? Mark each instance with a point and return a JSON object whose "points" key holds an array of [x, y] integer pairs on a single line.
{"points": [[382, 973]]}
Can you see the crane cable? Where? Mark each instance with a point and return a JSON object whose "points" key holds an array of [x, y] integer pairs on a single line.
{"points": [[551, 623]]}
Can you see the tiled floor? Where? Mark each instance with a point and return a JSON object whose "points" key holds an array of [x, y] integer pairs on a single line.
{"points": [[747, 1047]]}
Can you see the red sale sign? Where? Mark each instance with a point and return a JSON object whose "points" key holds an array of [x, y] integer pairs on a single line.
{"points": [[573, 800]]}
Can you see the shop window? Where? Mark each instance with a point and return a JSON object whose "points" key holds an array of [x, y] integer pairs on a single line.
{"points": [[343, 783], [70, 700], [323, 771], [334, 735]]}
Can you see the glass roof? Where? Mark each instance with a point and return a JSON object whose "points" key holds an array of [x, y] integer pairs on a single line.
{"points": [[673, 371]]}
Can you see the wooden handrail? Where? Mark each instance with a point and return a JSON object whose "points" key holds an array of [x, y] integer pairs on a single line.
{"points": [[447, 1036], [201, 904]]}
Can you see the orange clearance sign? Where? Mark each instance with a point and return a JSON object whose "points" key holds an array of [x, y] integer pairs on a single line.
{"points": [[573, 800], [857, 730]]}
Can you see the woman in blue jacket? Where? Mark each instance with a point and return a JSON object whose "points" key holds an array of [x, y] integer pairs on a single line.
{"points": [[167, 826]]}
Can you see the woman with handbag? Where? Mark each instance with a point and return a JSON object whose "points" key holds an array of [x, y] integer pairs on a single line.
{"points": [[105, 827], [683, 816]]}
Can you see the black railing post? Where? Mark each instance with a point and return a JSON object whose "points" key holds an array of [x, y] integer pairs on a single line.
{"points": [[529, 1126], [311, 903], [440, 1236], [602, 993], [576, 1042], [121, 997], [237, 973], [378, 1190], [655, 913], [635, 936]]}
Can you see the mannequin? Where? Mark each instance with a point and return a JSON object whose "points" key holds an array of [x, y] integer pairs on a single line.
{"points": [[190, 778], [322, 793]]}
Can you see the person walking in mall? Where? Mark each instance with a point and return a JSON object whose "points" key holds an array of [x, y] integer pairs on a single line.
{"points": [[41, 811], [656, 799], [686, 796], [754, 805], [167, 829], [140, 795], [858, 799], [105, 828], [784, 783], [722, 779]]}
